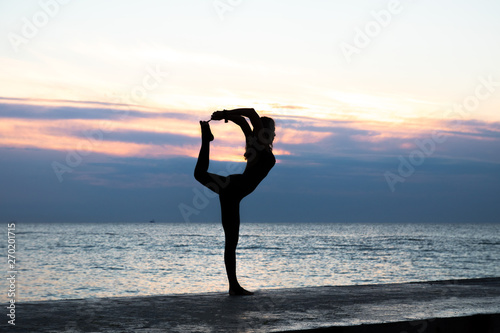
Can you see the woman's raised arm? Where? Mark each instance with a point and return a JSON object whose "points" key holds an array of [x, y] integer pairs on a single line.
{"points": [[250, 113], [240, 121]]}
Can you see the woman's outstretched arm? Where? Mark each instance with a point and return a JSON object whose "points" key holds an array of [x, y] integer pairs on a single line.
{"points": [[250, 113]]}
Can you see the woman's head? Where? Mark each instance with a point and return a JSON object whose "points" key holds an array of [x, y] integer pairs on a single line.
{"points": [[264, 137], [269, 130]]}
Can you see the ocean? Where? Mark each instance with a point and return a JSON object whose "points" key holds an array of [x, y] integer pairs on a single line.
{"points": [[87, 260]]}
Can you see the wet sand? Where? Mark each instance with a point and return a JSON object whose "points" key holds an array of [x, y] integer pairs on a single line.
{"points": [[442, 306]]}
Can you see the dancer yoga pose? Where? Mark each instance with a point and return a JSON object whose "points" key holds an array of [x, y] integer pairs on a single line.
{"points": [[233, 188]]}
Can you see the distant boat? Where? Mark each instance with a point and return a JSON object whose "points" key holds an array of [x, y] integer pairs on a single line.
{"points": [[152, 221]]}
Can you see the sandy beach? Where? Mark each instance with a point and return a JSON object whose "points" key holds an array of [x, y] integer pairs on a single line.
{"points": [[418, 307]]}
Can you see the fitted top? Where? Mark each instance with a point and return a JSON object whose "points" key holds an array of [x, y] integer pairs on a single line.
{"points": [[259, 163]]}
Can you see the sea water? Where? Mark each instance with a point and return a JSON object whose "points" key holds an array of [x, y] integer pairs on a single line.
{"points": [[85, 260]]}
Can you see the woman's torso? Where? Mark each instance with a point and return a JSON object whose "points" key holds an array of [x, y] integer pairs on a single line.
{"points": [[259, 163]]}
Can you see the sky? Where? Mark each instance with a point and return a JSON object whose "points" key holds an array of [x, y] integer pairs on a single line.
{"points": [[386, 111]]}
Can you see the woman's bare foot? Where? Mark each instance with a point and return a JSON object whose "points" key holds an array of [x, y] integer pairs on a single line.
{"points": [[206, 133], [239, 292]]}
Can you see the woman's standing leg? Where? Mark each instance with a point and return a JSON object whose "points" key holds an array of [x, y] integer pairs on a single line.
{"points": [[231, 223], [230, 212]]}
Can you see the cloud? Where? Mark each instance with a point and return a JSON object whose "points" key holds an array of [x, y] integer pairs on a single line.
{"points": [[159, 133], [286, 107], [84, 110], [327, 170], [328, 189], [147, 138], [98, 130]]}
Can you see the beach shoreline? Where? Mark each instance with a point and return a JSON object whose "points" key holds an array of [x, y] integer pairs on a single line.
{"points": [[484, 323], [417, 306]]}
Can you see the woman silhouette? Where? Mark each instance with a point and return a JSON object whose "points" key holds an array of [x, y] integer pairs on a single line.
{"points": [[233, 188]]}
